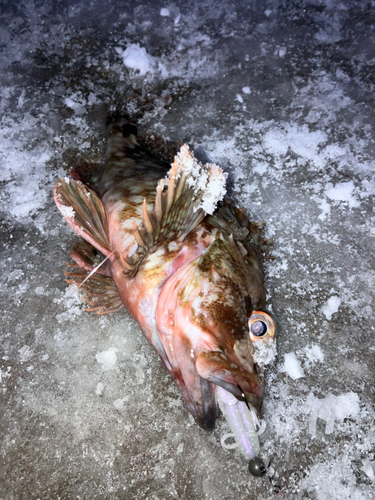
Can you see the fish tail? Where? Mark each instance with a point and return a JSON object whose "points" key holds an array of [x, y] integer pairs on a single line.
{"points": [[122, 137]]}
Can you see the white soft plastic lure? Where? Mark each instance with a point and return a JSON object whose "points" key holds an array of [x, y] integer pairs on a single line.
{"points": [[245, 425]]}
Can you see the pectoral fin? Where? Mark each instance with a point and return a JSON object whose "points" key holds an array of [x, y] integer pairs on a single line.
{"points": [[84, 212]]}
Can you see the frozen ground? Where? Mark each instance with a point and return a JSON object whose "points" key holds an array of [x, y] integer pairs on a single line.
{"points": [[281, 93]]}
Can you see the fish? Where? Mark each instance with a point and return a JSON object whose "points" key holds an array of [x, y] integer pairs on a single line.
{"points": [[160, 237]]}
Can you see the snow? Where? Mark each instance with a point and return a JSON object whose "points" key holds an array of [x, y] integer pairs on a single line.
{"points": [[299, 153], [67, 211], [314, 353], [137, 58], [343, 192], [332, 408], [331, 306], [264, 352], [292, 366], [208, 179]]}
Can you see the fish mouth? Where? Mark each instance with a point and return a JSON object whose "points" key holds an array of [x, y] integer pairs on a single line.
{"points": [[244, 385]]}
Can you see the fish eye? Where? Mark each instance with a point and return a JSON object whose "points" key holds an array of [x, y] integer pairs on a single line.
{"points": [[258, 328], [261, 326]]}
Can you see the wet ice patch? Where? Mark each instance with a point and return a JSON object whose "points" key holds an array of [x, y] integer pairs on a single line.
{"points": [[107, 359], [331, 408], [331, 307], [292, 366]]}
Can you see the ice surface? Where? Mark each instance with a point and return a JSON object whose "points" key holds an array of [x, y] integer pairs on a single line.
{"points": [[299, 152]]}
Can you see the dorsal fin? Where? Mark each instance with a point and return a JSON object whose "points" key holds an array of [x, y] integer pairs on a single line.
{"points": [[193, 190], [84, 212]]}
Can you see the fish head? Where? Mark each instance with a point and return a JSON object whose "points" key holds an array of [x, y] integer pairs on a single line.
{"points": [[215, 307]]}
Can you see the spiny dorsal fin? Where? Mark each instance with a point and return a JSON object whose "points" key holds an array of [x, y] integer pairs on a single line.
{"points": [[83, 211], [193, 191]]}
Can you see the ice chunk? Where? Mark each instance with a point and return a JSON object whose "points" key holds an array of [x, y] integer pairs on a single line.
{"points": [[331, 307], [246, 90], [15, 275], [99, 389], [368, 468], [239, 98], [77, 107], [292, 366], [118, 404], [137, 58], [107, 359], [164, 12], [332, 408]]}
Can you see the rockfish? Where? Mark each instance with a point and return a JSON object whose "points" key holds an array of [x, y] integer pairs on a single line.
{"points": [[185, 264]]}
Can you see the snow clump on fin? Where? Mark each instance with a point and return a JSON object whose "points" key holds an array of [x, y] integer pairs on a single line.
{"points": [[207, 179]]}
